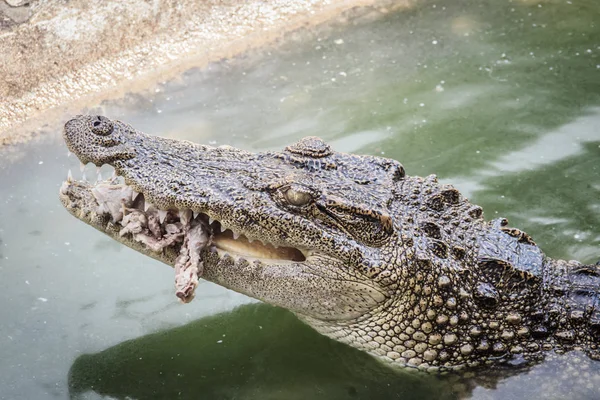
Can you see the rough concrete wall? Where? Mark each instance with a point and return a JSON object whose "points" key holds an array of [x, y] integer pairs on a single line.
{"points": [[57, 52]]}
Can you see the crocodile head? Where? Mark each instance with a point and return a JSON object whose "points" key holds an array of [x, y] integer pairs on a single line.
{"points": [[307, 229]]}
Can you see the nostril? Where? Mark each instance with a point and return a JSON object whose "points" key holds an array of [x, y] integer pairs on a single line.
{"points": [[102, 126]]}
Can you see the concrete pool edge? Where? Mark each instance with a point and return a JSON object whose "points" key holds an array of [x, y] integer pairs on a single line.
{"points": [[66, 57]]}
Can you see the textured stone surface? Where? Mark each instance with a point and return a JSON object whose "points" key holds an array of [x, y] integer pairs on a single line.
{"points": [[57, 53]]}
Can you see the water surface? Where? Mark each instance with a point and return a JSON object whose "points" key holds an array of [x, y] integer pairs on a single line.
{"points": [[500, 98]]}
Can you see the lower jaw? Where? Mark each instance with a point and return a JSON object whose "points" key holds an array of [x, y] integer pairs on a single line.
{"points": [[219, 254]]}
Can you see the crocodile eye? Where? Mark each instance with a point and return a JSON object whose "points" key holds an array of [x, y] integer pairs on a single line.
{"points": [[101, 126], [297, 198]]}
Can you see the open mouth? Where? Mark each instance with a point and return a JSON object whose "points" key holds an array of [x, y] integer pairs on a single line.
{"points": [[190, 234]]}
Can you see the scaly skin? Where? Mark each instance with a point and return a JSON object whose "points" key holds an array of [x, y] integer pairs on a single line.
{"points": [[401, 267]]}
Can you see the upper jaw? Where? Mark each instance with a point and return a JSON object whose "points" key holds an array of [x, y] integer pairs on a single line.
{"points": [[165, 181], [176, 176]]}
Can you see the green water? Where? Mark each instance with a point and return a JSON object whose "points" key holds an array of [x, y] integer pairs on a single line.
{"points": [[500, 98]]}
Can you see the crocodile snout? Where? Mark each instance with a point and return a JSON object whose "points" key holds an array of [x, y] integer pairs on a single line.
{"points": [[97, 139]]}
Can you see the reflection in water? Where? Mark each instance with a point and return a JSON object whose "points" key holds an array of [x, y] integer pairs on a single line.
{"points": [[261, 352], [253, 352], [475, 91]]}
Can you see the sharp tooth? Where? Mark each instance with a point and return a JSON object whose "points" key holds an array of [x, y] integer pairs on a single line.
{"points": [[134, 195], [195, 213], [162, 214], [250, 240], [69, 176], [147, 205], [81, 166], [99, 178], [236, 235], [83, 177], [68, 154], [97, 169], [185, 216], [114, 174], [210, 220]]}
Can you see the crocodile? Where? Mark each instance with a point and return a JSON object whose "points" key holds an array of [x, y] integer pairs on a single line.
{"points": [[402, 267]]}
